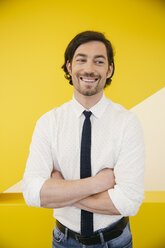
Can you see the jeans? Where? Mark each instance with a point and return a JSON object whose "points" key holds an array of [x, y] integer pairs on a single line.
{"points": [[61, 240]]}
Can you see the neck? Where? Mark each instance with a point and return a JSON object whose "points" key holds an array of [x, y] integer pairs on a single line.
{"points": [[88, 101]]}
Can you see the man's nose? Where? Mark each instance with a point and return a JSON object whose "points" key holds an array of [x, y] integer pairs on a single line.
{"points": [[89, 67]]}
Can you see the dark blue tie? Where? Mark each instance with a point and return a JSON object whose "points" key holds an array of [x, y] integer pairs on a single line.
{"points": [[85, 171]]}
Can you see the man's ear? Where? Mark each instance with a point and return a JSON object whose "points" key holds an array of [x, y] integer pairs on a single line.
{"points": [[110, 70], [69, 67]]}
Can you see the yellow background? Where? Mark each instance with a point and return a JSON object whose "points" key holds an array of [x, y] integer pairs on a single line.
{"points": [[33, 38]]}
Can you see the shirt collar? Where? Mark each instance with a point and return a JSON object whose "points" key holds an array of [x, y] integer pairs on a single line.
{"points": [[97, 110]]}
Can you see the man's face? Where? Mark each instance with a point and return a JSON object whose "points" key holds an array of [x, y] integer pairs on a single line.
{"points": [[89, 68]]}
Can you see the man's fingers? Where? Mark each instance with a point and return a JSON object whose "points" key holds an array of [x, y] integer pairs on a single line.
{"points": [[56, 174]]}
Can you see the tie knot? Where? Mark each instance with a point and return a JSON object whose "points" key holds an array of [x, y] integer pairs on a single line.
{"points": [[87, 113]]}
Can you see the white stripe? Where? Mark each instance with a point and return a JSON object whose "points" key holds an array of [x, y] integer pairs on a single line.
{"points": [[151, 113]]}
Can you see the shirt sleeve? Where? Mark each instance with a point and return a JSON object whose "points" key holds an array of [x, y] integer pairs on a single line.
{"points": [[128, 192], [39, 163]]}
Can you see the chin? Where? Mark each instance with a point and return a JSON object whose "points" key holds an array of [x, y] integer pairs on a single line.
{"points": [[89, 92]]}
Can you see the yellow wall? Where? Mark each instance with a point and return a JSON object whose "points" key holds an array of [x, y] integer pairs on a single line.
{"points": [[33, 37]]}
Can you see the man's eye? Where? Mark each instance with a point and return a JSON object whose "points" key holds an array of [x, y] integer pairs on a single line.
{"points": [[99, 62], [81, 60]]}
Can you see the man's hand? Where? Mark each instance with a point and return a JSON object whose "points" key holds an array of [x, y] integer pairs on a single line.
{"points": [[56, 174], [104, 179], [100, 203]]}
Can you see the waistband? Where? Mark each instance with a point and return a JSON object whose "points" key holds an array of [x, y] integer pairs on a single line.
{"points": [[108, 234]]}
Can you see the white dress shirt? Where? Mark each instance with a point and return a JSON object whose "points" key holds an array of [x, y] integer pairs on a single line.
{"points": [[117, 142]]}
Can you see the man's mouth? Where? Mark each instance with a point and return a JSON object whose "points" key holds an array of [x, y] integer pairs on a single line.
{"points": [[89, 80]]}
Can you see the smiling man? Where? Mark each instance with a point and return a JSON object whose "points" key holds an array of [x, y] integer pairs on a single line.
{"points": [[89, 69], [86, 158]]}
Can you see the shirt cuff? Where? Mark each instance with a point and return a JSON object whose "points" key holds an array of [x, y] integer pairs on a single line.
{"points": [[124, 205], [31, 190]]}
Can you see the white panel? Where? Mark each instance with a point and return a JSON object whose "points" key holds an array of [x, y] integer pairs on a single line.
{"points": [[151, 113], [16, 188]]}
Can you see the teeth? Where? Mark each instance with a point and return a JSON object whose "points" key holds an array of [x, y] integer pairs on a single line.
{"points": [[88, 80]]}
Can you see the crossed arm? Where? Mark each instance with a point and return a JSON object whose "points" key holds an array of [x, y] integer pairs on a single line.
{"points": [[90, 194]]}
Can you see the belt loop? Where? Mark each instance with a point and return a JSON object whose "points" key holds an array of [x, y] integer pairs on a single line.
{"points": [[101, 238], [106, 245], [66, 233]]}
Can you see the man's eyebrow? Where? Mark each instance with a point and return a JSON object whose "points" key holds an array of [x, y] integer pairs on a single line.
{"points": [[96, 56], [81, 54], [100, 56]]}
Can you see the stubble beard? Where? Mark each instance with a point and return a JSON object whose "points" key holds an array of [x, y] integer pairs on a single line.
{"points": [[88, 91]]}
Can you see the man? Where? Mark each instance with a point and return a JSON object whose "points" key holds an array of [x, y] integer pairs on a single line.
{"points": [[87, 157]]}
